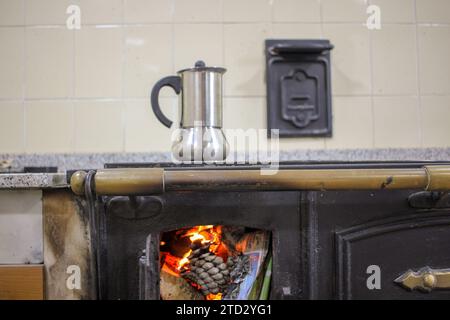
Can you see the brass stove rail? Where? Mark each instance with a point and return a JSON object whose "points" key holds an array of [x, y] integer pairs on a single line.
{"points": [[146, 181]]}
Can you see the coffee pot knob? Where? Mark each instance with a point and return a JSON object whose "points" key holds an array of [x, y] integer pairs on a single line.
{"points": [[200, 64]]}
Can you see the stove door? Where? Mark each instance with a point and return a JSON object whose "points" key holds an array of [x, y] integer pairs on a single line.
{"points": [[373, 245]]}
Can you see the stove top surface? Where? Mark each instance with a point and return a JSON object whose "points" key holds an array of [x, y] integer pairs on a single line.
{"points": [[282, 165]]}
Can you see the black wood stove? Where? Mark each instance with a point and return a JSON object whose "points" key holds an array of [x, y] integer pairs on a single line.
{"points": [[392, 242]]}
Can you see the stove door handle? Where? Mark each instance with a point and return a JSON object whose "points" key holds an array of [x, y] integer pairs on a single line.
{"points": [[425, 280], [172, 81]]}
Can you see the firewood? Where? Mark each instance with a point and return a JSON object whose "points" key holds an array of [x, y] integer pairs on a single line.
{"points": [[231, 235], [207, 271], [177, 288], [247, 273]]}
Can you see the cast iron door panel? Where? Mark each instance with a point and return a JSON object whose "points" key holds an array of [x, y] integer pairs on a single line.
{"points": [[370, 257], [360, 242], [128, 221]]}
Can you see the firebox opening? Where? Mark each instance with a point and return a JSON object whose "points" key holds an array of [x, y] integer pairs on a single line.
{"points": [[215, 262]]}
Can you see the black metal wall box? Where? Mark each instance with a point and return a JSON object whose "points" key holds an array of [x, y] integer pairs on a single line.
{"points": [[299, 87]]}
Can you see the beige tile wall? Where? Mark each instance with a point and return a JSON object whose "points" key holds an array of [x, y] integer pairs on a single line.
{"points": [[87, 90]]}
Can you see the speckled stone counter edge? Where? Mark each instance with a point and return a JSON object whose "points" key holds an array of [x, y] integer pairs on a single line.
{"points": [[32, 180], [97, 160]]}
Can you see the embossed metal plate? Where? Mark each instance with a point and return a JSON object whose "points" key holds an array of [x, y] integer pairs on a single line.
{"points": [[298, 87]]}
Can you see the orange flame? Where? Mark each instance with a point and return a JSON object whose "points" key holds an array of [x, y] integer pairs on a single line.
{"points": [[212, 296], [194, 235], [183, 261]]}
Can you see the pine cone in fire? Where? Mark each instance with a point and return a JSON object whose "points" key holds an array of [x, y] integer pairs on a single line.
{"points": [[207, 270]]}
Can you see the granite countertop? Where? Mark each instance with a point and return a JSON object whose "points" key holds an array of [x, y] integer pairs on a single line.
{"points": [[97, 160], [64, 162], [32, 180]]}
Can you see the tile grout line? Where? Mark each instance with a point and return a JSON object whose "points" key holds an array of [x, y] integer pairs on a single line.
{"points": [[172, 101], [172, 58], [72, 93], [24, 75], [139, 24], [172, 27], [222, 29], [124, 68], [419, 102], [103, 99], [326, 141], [322, 33], [372, 101], [272, 15]]}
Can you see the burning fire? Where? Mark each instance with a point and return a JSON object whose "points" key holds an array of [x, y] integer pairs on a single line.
{"points": [[214, 296], [195, 234], [208, 234]]}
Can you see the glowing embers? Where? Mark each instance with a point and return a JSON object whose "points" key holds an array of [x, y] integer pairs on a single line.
{"points": [[215, 262]]}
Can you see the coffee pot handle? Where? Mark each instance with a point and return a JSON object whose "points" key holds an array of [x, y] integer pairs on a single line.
{"points": [[172, 81]]}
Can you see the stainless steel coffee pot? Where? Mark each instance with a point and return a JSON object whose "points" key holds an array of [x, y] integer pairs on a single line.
{"points": [[200, 136]]}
